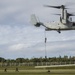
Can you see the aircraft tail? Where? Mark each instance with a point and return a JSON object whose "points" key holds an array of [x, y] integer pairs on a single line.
{"points": [[35, 21]]}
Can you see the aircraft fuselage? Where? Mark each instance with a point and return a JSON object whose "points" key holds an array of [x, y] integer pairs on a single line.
{"points": [[59, 26]]}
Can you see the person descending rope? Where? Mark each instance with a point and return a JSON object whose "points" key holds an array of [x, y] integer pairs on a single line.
{"points": [[45, 39]]}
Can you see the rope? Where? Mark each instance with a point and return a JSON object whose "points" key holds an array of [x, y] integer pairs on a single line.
{"points": [[45, 45]]}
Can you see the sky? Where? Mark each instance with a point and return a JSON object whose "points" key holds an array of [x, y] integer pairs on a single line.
{"points": [[19, 38]]}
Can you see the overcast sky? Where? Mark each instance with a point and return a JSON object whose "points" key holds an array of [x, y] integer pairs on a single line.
{"points": [[19, 38]]}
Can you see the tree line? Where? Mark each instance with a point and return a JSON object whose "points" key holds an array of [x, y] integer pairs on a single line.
{"points": [[41, 59]]}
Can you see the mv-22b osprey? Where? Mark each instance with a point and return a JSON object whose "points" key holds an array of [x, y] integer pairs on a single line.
{"points": [[65, 22]]}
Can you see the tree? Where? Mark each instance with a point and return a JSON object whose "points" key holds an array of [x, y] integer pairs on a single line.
{"points": [[20, 60], [2, 59]]}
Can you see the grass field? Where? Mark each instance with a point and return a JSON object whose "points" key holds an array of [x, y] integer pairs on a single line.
{"points": [[23, 70]]}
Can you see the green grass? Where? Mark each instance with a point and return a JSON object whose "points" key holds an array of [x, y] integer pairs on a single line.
{"points": [[35, 73], [32, 67], [19, 67], [30, 70], [39, 72]]}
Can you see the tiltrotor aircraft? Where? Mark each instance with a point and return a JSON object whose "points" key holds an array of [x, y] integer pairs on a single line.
{"points": [[65, 22]]}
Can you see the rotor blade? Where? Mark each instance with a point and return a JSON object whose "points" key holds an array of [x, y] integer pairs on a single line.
{"points": [[67, 14], [71, 14], [58, 7], [57, 14]]}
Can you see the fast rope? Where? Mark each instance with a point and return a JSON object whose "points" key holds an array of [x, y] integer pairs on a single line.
{"points": [[45, 45]]}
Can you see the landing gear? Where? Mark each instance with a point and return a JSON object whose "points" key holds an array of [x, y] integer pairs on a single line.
{"points": [[59, 30]]}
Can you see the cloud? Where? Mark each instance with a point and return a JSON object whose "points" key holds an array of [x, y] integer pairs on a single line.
{"points": [[17, 47], [17, 33], [29, 41], [55, 48]]}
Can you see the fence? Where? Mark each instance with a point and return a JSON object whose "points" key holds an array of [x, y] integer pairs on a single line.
{"points": [[36, 63]]}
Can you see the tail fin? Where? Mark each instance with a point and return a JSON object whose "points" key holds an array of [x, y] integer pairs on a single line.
{"points": [[34, 20]]}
